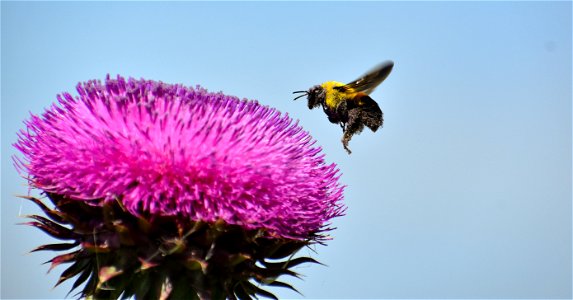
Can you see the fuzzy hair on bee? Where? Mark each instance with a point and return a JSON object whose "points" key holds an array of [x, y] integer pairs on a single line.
{"points": [[350, 105]]}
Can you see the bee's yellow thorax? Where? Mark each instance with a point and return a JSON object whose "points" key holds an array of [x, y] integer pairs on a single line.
{"points": [[333, 96]]}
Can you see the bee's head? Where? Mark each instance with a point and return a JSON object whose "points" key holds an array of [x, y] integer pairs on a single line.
{"points": [[315, 96]]}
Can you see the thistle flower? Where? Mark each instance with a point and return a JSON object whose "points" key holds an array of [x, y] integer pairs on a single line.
{"points": [[172, 192]]}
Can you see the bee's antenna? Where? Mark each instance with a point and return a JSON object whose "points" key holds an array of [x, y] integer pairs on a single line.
{"points": [[305, 94], [299, 97]]}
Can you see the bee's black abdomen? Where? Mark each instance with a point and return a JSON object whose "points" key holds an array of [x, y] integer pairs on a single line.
{"points": [[371, 114], [360, 112]]}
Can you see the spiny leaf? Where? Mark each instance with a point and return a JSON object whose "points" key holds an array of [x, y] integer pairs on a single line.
{"points": [[241, 293], [55, 247], [44, 220], [144, 225], [145, 264], [236, 259], [173, 246], [131, 285], [64, 258], [285, 250], [198, 225], [128, 292], [290, 263], [56, 231], [149, 285], [166, 289], [253, 289], [83, 277], [284, 285], [141, 289], [125, 235], [103, 248], [90, 286], [220, 226], [107, 273], [73, 270], [196, 264], [266, 274], [156, 284], [53, 214], [182, 289]]}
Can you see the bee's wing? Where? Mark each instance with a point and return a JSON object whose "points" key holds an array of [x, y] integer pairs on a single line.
{"points": [[369, 81]]}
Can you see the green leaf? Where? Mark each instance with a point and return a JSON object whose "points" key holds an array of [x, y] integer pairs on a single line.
{"points": [[93, 248], [126, 237], [150, 286], [145, 265], [55, 247], [64, 258], [83, 277], [196, 264], [236, 259], [253, 289], [142, 285], [272, 274], [198, 225], [90, 286], [107, 273], [285, 250], [182, 289], [53, 214], [284, 285], [54, 230], [144, 225], [240, 292], [73, 270], [290, 263], [129, 289], [128, 293]]}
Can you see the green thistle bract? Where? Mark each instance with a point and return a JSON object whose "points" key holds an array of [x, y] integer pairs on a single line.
{"points": [[121, 255]]}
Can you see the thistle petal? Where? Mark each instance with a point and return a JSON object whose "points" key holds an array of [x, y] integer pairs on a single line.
{"points": [[169, 150]]}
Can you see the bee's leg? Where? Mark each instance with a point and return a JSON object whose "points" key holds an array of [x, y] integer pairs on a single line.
{"points": [[354, 126], [345, 145], [342, 114], [346, 136]]}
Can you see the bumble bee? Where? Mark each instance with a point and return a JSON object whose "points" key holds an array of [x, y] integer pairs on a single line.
{"points": [[349, 104]]}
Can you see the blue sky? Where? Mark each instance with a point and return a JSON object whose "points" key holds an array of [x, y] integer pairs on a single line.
{"points": [[465, 192]]}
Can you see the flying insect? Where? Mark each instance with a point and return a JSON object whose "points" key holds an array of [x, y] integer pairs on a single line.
{"points": [[350, 105]]}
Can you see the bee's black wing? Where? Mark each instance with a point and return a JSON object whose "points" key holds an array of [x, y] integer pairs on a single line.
{"points": [[369, 81]]}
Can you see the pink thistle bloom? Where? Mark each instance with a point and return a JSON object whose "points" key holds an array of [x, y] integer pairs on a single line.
{"points": [[165, 150]]}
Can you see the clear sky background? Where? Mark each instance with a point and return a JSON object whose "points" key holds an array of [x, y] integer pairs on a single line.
{"points": [[465, 192]]}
